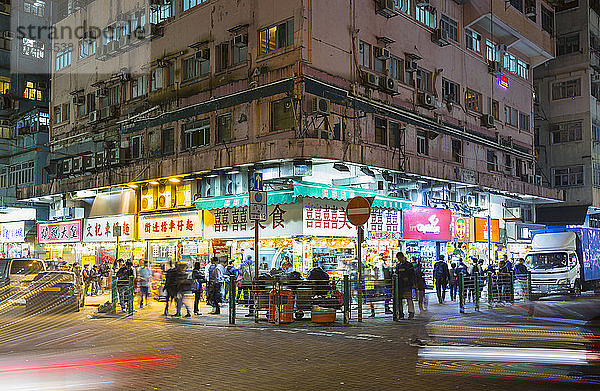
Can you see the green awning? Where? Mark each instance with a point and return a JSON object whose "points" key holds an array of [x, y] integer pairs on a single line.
{"points": [[305, 189], [237, 201], [343, 193]]}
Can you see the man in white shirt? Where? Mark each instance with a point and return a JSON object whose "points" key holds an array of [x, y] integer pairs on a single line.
{"points": [[145, 273]]}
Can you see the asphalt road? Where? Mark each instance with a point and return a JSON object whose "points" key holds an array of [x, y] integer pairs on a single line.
{"points": [[77, 352]]}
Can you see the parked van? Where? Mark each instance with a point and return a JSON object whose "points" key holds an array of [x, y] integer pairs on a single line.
{"points": [[19, 272]]}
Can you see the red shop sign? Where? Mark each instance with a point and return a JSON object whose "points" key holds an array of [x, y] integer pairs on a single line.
{"points": [[426, 224]]}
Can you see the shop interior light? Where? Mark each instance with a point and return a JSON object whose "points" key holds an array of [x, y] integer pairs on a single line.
{"points": [[233, 171], [212, 174], [341, 167], [132, 186], [174, 180], [367, 171], [154, 183]]}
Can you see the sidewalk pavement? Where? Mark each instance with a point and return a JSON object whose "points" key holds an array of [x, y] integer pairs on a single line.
{"points": [[435, 312]]}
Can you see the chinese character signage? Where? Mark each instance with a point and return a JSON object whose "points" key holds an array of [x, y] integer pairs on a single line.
{"points": [[462, 228], [101, 229], [426, 224], [60, 232], [283, 220], [385, 224], [326, 218], [481, 230], [12, 232], [170, 226]]}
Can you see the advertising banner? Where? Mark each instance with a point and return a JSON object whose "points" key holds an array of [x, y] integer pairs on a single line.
{"points": [[170, 226], [462, 229], [326, 218], [385, 224], [426, 224], [100, 229], [60, 232], [283, 220], [481, 230], [12, 232]]}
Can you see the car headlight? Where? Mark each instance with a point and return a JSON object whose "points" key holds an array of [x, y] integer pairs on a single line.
{"points": [[564, 281]]}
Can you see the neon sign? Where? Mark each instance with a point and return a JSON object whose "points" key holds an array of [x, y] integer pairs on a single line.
{"points": [[503, 81]]}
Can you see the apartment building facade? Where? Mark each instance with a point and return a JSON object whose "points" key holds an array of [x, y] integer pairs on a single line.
{"points": [[567, 122], [439, 91]]}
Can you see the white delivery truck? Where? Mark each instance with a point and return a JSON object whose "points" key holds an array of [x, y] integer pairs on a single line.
{"points": [[564, 261]]}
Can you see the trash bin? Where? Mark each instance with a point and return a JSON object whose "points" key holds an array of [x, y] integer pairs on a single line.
{"points": [[287, 306]]}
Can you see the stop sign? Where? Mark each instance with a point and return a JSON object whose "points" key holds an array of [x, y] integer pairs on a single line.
{"points": [[358, 211]]}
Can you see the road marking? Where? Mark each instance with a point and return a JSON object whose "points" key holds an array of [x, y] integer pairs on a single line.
{"points": [[369, 335], [357, 337], [285, 331]]}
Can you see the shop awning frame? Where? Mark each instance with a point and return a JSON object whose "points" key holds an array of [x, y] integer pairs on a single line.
{"points": [[305, 189]]}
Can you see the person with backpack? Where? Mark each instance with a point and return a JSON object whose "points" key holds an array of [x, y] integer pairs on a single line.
{"points": [[170, 287], [123, 276], [215, 279], [441, 275], [406, 280], [198, 279], [452, 284], [184, 285], [231, 273]]}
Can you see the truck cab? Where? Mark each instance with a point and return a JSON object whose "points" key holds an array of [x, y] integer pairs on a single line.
{"points": [[555, 264]]}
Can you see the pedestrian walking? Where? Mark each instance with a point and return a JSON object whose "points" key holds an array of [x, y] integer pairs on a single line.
{"points": [[452, 283], [215, 278], [420, 284], [87, 278], [246, 288], [406, 280], [184, 285], [145, 274], [231, 273], [170, 287], [441, 275], [503, 277], [123, 276], [198, 279], [521, 277], [95, 277], [103, 274]]}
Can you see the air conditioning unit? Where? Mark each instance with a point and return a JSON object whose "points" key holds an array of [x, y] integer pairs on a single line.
{"points": [[79, 100], [494, 67], [381, 53], [155, 31], [513, 213], [77, 164], [410, 66], [66, 166], [440, 37], [389, 84], [100, 160], [471, 201], [530, 11], [101, 92], [93, 116], [371, 80], [385, 8], [147, 198], [112, 156], [105, 112], [164, 197], [183, 195], [88, 163], [102, 52], [487, 121], [321, 105], [240, 40], [203, 54], [426, 100]]}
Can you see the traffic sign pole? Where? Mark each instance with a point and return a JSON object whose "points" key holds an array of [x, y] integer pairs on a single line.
{"points": [[257, 208], [358, 212]]}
